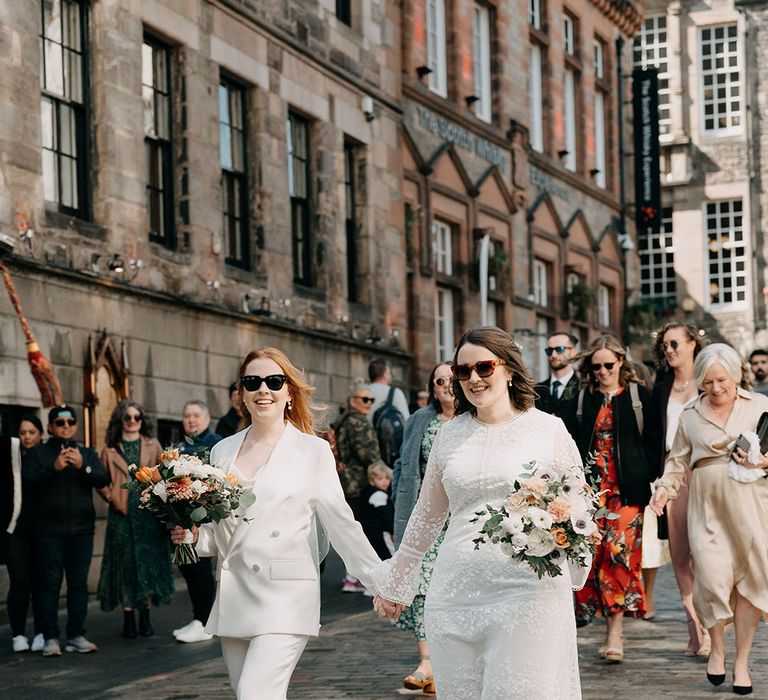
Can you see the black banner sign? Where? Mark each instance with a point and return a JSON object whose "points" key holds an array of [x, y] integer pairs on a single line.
{"points": [[645, 101]]}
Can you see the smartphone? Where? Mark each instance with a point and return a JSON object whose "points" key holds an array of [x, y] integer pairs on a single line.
{"points": [[68, 443], [743, 443]]}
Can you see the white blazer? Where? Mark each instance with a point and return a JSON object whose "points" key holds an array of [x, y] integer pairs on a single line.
{"points": [[268, 581]]}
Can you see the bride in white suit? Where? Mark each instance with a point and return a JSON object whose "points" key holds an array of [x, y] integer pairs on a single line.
{"points": [[268, 592]]}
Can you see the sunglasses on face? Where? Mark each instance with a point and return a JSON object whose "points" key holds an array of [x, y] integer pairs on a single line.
{"points": [[61, 422], [442, 381], [484, 368], [366, 399], [559, 349], [674, 344], [274, 382], [596, 366], [131, 419]]}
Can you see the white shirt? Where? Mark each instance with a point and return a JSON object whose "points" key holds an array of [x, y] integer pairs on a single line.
{"points": [[380, 393], [563, 381]]}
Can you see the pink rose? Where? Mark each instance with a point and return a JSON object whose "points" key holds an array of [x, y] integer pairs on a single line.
{"points": [[559, 509]]}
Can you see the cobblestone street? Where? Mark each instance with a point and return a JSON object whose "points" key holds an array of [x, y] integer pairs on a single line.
{"points": [[358, 656]]}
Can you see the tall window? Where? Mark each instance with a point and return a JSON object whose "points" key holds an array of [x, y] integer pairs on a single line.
{"points": [[436, 51], [344, 11], [650, 49], [63, 46], [234, 176], [600, 116], [569, 35], [604, 302], [540, 283], [352, 161], [657, 260], [444, 324], [442, 247], [299, 180], [721, 79], [481, 63], [569, 160], [535, 96], [534, 14], [727, 256], [156, 95]]}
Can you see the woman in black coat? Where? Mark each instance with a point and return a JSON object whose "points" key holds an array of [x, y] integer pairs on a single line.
{"points": [[611, 418]]}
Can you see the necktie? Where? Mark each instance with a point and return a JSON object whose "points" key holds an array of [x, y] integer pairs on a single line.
{"points": [[555, 389]]}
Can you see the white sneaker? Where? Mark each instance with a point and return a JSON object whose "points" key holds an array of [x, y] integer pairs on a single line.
{"points": [[80, 645], [197, 633], [20, 643], [38, 643], [186, 628]]}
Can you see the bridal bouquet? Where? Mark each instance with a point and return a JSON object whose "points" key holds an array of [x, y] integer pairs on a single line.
{"points": [[547, 519], [186, 490]]}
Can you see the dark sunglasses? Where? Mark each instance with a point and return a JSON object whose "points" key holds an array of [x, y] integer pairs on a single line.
{"points": [[366, 399], [484, 368], [674, 344], [442, 381], [61, 422], [274, 382], [127, 418], [559, 349], [597, 365]]}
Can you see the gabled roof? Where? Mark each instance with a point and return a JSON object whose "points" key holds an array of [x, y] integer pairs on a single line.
{"points": [[579, 227], [543, 206], [492, 178]]}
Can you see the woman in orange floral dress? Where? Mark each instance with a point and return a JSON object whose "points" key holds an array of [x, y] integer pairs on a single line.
{"points": [[610, 418]]}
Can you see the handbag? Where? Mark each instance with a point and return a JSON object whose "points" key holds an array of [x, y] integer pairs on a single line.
{"points": [[762, 432]]}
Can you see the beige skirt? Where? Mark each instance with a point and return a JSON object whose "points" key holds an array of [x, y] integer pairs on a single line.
{"points": [[728, 533]]}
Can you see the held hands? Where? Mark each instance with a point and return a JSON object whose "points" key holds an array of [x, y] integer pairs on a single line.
{"points": [[659, 500], [179, 534], [386, 609]]}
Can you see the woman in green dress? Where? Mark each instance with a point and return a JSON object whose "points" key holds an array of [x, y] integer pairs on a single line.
{"points": [[136, 570], [420, 432]]}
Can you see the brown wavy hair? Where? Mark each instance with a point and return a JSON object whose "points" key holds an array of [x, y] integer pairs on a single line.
{"points": [[302, 410], [503, 345], [627, 373], [691, 332]]}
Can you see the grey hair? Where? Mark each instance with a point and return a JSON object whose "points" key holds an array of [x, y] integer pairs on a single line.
{"points": [[717, 353], [358, 385], [197, 402]]}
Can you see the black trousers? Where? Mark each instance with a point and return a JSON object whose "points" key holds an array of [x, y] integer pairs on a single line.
{"points": [[19, 550], [56, 557], [201, 586]]}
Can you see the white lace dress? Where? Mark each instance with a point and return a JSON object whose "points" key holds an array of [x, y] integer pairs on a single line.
{"points": [[495, 631]]}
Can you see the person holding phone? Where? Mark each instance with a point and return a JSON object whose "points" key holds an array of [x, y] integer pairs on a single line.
{"points": [[62, 475]]}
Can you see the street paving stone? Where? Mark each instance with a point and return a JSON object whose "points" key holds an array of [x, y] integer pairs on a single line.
{"points": [[358, 656]]}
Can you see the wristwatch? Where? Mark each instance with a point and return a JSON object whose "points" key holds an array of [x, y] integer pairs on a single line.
{"points": [[88, 470]]}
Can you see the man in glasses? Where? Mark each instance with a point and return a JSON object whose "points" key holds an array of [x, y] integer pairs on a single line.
{"points": [[358, 448], [60, 476], [758, 363], [201, 585], [562, 384]]}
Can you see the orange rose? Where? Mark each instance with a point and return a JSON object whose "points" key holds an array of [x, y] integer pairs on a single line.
{"points": [[144, 475], [561, 538], [156, 476], [232, 479], [169, 455]]}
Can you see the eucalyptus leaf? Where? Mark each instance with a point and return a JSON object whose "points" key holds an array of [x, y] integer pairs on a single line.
{"points": [[198, 514]]}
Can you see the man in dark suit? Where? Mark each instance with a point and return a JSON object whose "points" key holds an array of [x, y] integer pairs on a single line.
{"points": [[563, 383]]}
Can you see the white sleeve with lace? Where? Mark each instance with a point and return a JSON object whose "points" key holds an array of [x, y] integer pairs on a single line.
{"points": [[566, 456], [397, 579]]}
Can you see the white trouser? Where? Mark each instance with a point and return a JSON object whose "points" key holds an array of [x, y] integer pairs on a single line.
{"points": [[261, 667]]}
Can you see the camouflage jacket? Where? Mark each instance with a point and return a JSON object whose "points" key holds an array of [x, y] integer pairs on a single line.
{"points": [[358, 448]]}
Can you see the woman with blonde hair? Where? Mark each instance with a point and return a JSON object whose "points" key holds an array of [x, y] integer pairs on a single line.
{"points": [[727, 507], [267, 602], [611, 404]]}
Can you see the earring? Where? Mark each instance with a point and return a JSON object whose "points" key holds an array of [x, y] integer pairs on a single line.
{"points": [[290, 404], [509, 383]]}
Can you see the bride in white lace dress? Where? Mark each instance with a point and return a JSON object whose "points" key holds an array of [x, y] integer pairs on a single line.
{"points": [[495, 630]]}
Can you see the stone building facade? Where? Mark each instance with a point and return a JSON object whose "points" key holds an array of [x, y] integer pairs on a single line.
{"points": [[493, 146], [706, 263]]}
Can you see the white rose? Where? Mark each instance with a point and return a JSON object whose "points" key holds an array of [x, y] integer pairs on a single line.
{"points": [[540, 543], [198, 486], [582, 523], [540, 518], [513, 524], [160, 492], [519, 541]]}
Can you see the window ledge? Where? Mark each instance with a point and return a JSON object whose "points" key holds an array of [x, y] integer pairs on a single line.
{"points": [[182, 258], [240, 274], [309, 292], [56, 219]]}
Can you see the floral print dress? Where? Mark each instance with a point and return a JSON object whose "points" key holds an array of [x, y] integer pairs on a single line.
{"points": [[615, 583], [412, 618]]}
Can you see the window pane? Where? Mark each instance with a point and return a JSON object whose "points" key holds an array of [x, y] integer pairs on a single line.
{"points": [[54, 68]]}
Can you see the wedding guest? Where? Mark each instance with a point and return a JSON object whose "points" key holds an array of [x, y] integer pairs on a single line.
{"points": [[62, 474], [377, 513], [612, 404], [420, 433], [201, 585], [380, 374], [495, 629], [229, 423], [19, 549], [268, 593], [758, 363], [727, 511], [563, 383], [422, 399], [676, 347], [136, 570]]}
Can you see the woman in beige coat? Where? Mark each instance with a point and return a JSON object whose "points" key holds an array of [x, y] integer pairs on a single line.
{"points": [[268, 594], [727, 518]]}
